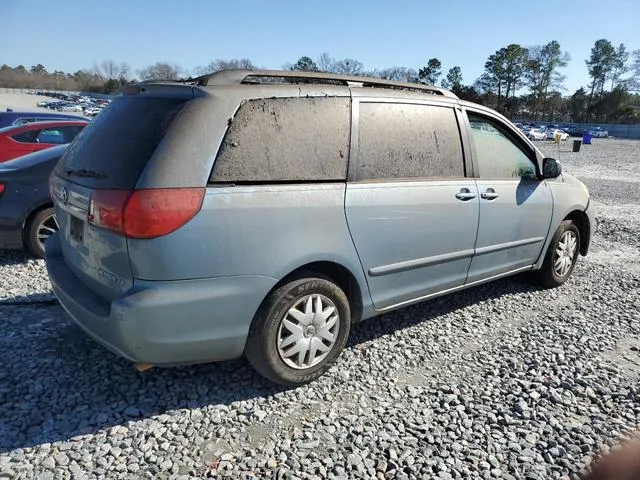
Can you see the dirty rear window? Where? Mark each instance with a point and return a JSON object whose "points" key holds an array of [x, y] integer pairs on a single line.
{"points": [[397, 140], [116, 146], [285, 140]]}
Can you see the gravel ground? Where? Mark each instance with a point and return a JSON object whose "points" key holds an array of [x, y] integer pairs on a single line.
{"points": [[501, 381]]}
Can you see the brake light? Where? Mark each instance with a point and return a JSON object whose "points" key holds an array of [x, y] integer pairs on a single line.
{"points": [[148, 213], [1, 188]]}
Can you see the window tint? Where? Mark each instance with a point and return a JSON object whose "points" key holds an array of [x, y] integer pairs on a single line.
{"points": [[26, 137], [121, 140], [70, 132], [286, 139], [499, 157], [51, 135], [408, 141]]}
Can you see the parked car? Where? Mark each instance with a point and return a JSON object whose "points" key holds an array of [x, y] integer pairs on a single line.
{"points": [[12, 118], [92, 111], [70, 108], [25, 203], [23, 139], [536, 134], [264, 212], [575, 131], [551, 134], [598, 132]]}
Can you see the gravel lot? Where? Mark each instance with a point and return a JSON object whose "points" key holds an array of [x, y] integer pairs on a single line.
{"points": [[501, 381]]}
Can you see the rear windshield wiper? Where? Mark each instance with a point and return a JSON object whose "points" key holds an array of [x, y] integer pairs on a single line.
{"points": [[83, 172]]}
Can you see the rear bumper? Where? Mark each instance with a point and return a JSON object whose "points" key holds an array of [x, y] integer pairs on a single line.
{"points": [[10, 233], [10, 224], [163, 323]]}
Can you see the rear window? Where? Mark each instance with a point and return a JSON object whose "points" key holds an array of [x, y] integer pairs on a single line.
{"points": [[112, 151]]}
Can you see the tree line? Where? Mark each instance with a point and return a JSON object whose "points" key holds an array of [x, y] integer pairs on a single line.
{"points": [[520, 82]]}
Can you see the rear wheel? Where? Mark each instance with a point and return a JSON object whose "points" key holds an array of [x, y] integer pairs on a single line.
{"points": [[39, 227], [561, 256], [299, 331]]}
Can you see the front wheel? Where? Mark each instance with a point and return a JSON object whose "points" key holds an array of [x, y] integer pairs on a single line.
{"points": [[299, 331], [561, 256]]}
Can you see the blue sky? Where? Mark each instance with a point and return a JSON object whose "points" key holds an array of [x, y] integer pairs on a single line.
{"points": [[70, 35]]}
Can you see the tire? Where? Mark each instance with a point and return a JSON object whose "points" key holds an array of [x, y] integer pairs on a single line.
{"points": [[39, 224], [552, 274], [269, 329]]}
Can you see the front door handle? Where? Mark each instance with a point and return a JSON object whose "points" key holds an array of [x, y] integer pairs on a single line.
{"points": [[489, 194], [465, 194]]}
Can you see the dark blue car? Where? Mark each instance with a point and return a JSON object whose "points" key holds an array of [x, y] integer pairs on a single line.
{"points": [[11, 118], [25, 204]]}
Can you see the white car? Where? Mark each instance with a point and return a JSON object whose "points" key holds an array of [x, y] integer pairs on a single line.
{"points": [[93, 111], [536, 134], [70, 108], [598, 132], [551, 135]]}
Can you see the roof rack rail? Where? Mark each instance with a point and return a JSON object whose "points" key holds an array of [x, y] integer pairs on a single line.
{"points": [[258, 77]]}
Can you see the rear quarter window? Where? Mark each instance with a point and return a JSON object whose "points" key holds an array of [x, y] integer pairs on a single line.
{"points": [[26, 137], [286, 140], [119, 143]]}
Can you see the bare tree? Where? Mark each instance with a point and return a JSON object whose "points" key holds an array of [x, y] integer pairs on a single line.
{"points": [[110, 70], [160, 71], [222, 64], [399, 74], [348, 66], [326, 63]]}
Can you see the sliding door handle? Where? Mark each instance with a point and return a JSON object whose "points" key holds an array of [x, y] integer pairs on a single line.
{"points": [[465, 194]]}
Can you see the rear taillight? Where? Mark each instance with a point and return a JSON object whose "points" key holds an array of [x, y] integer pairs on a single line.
{"points": [[1, 188], [147, 213]]}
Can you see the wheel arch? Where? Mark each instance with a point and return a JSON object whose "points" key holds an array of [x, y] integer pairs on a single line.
{"points": [[335, 272], [584, 227], [34, 211]]}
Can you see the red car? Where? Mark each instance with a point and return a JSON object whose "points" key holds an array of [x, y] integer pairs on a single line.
{"points": [[31, 137]]}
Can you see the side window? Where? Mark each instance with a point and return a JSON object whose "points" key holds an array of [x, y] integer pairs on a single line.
{"points": [[286, 139], [69, 133], [498, 155], [27, 137], [51, 135], [397, 140]]}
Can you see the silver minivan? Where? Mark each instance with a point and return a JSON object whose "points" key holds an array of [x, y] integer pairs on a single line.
{"points": [[265, 212]]}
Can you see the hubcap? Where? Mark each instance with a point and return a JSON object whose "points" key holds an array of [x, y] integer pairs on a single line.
{"points": [[565, 253], [308, 331], [48, 226]]}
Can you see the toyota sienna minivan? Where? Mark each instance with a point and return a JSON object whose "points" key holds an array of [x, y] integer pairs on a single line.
{"points": [[264, 212]]}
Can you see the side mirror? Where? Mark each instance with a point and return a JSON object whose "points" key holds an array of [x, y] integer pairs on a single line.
{"points": [[551, 168]]}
